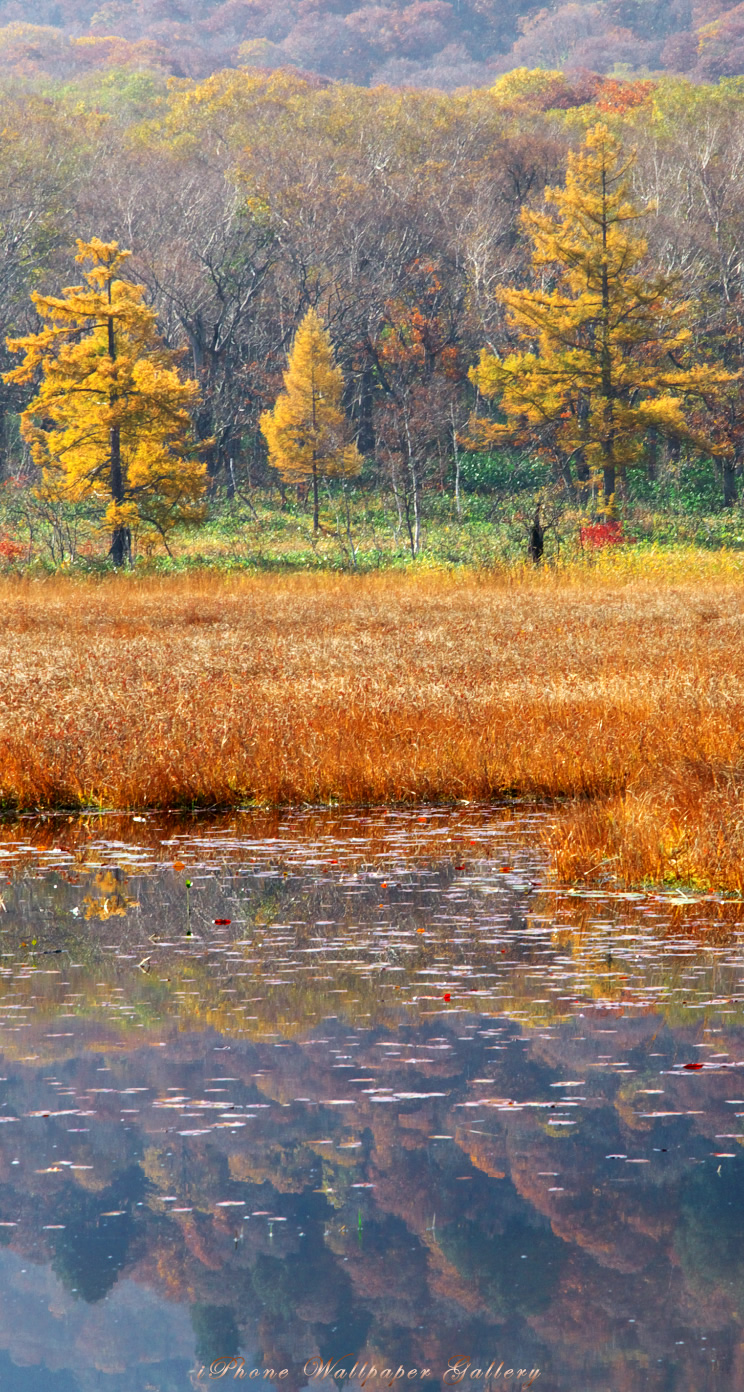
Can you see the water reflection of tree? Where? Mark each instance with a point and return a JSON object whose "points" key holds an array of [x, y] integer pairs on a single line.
{"points": [[509, 1279], [422, 1263], [109, 898], [225, 967], [93, 1248], [40, 1379], [710, 1234], [439, 1249], [216, 1332]]}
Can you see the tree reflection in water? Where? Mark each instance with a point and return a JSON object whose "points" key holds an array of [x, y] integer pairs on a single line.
{"points": [[278, 1139]]}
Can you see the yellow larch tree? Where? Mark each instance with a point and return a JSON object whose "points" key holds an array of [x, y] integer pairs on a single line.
{"points": [[608, 362], [307, 432], [111, 420]]}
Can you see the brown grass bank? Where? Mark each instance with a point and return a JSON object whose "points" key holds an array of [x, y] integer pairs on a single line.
{"points": [[624, 688]]}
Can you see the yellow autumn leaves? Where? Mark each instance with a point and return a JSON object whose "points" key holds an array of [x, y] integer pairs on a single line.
{"points": [[306, 433], [111, 420], [604, 364], [607, 357]]}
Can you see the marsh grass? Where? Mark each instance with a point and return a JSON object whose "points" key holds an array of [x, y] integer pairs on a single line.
{"points": [[617, 688]]}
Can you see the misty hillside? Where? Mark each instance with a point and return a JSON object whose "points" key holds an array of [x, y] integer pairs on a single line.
{"points": [[443, 43]]}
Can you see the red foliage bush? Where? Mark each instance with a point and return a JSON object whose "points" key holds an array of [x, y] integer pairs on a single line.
{"points": [[599, 534], [10, 550]]}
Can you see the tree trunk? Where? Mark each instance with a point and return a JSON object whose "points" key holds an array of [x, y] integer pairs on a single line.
{"points": [[409, 528], [116, 480], [608, 385], [365, 433], [121, 546], [316, 508], [730, 491], [416, 513], [563, 470], [121, 538], [583, 472], [652, 454], [608, 478], [456, 453], [536, 543]]}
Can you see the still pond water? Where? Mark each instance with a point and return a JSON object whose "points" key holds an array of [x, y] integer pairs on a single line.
{"points": [[362, 1089]]}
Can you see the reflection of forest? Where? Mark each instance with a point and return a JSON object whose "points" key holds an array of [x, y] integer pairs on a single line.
{"points": [[274, 1135], [231, 1180]]}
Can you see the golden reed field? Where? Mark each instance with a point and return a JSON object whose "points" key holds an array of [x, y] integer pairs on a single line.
{"points": [[619, 692]]}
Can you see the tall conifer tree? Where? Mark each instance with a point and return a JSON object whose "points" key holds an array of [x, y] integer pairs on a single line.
{"points": [[111, 419], [307, 432], [610, 351]]}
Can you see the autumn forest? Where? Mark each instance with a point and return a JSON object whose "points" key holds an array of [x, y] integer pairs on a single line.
{"points": [[371, 672], [449, 250]]}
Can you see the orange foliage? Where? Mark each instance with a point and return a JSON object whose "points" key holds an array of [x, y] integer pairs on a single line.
{"points": [[417, 337], [617, 97]]}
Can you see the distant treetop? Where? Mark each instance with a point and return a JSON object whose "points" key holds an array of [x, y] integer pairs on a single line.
{"points": [[419, 43]]}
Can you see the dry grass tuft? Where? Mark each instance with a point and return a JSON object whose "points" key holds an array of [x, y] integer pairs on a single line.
{"points": [[627, 689], [688, 829]]}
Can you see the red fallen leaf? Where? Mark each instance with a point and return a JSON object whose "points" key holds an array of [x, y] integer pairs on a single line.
{"points": [[692, 1066], [223, 922], [446, 996]]}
